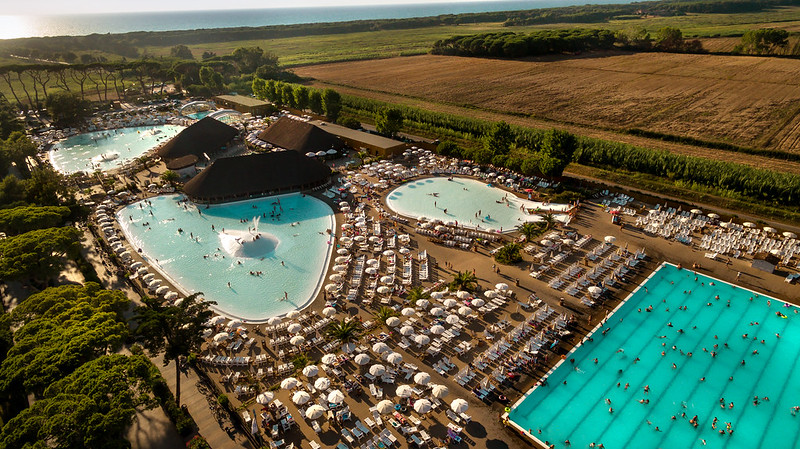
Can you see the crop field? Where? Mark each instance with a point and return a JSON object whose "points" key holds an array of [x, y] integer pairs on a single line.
{"points": [[747, 101]]}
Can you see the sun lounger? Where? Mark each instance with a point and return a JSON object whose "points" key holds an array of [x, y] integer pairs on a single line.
{"points": [[362, 427], [389, 435], [347, 436], [377, 417]]}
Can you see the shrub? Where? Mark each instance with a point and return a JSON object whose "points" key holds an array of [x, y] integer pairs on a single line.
{"points": [[509, 254], [350, 122], [198, 442]]}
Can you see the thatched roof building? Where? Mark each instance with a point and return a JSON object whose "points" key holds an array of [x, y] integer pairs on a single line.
{"points": [[205, 136], [299, 136], [255, 175]]}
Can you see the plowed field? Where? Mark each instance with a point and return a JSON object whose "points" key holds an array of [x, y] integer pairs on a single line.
{"points": [[747, 101]]}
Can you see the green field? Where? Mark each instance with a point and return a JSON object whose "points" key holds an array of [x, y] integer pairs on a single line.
{"points": [[296, 51]]}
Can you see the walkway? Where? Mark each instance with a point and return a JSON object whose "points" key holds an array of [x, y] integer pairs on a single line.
{"points": [[198, 407]]}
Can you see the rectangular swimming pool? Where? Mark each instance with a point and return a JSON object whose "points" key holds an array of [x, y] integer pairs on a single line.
{"points": [[683, 345]]}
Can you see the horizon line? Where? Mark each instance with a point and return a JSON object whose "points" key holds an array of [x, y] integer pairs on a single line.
{"points": [[359, 3]]}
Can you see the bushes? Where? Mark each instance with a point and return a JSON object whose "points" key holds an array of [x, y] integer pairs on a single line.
{"points": [[198, 442], [349, 122], [223, 400], [181, 418]]}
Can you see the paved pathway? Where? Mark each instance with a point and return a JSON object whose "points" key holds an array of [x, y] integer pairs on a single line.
{"points": [[198, 407], [153, 430]]}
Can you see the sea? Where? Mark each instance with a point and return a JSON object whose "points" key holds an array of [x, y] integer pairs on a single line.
{"points": [[14, 26]]}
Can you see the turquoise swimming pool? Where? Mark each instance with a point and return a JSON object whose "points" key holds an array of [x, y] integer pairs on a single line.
{"points": [[461, 200], [703, 350], [199, 115], [288, 259], [108, 149]]}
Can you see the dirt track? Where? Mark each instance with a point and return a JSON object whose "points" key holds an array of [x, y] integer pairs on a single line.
{"points": [[743, 100]]}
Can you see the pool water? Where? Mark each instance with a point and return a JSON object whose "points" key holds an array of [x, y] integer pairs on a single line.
{"points": [[573, 404], [292, 252], [199, 115], [109, 149], [463, 198]]}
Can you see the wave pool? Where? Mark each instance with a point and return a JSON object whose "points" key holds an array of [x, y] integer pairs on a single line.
{"points": [[273, 251]]}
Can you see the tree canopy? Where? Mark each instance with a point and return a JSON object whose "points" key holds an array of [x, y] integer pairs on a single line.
{"points": [[90, 408], [181, 51], [464, 281], [763, 41], [248, 59], [61, 329], [345, 331], [22, 219], [8, 119], [499, 138], [331, 104], [175, 330], [17, 148], [66, 108], [509, 254], [507, 44], [37, 254], [388, 121]]}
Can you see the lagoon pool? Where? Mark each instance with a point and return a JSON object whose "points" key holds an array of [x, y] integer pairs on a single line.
{"points": [[109, 149], [707, 341], [291, 253], [461, 199]]}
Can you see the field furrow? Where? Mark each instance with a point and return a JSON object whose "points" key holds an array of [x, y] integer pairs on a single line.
{"points": [[738, 100]]}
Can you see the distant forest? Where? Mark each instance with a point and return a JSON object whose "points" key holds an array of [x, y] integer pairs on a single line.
{"points": [[517, 45], [128, 45]]}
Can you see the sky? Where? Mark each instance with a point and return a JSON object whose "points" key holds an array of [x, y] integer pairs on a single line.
{"points": [[54, 7]]}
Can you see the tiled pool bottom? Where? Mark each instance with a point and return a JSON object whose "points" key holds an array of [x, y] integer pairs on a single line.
{"points": [[705, 348]]}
